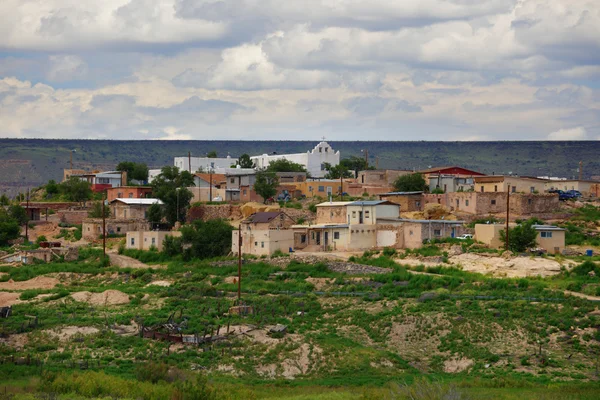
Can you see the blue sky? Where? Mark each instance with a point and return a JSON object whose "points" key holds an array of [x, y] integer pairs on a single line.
{"points": [[272, 69]]}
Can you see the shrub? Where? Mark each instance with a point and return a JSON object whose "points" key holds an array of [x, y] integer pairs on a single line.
{"points": [[312, 208], [389, 252], [41, 239]]}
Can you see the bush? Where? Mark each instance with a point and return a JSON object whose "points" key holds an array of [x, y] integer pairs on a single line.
{"points": [[389, 252], [41, 239], [312, 208], [585, 268]]}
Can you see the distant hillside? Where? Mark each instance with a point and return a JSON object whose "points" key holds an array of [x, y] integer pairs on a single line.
{"points": [[32, 162]]}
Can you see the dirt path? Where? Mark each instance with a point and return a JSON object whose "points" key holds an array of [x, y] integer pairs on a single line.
{"points": [[39, 282], [119, 260], [581, 295]]}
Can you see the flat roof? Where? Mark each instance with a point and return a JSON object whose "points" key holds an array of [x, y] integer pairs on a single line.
{"points": [[334, 203], [322, 226], [146, 202], [547, 228], [399, 193], [372, 203]]}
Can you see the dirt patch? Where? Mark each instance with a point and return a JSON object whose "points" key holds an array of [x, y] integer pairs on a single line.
{"points": [[160, 283], [517, 267], [66, 333], [9, 299], [108, 298], [299, 365], [457, 365], [583, 296], [39, 282], [230, 279], [119, 260], [16, 341], [267, 371], [319, 283]]}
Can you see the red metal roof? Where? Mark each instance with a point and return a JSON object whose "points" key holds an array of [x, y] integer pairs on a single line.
{"points": [[451, 171]]}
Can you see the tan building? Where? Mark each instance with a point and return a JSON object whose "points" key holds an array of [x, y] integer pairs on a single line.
{"points": [[264, 233], [131, 208], [146, 240], [92, 227], [550, 238], [380, 177], [478, 203], [412, 233], [408, 201], [514, 184]]}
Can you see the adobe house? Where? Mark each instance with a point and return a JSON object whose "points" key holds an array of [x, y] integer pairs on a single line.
{"points": [[263, 233], [408, 201], [145, 240], [514, 184], [586, 187], [549, 237], [128, 192], [380, 177], [131, 208], [486, 203], [412, 233], [453, 170]]}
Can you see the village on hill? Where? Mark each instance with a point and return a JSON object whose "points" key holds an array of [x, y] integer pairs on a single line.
{"points": [[202, 263]]}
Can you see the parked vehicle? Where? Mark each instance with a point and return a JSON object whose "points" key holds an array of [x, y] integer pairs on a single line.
{"points": [[284, 196], [574, 193], [466, 236]]}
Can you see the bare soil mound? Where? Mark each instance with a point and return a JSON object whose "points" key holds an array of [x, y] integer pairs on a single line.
{"points": [[8, 299], [250, 208], [39, 282], [108, 298], [160, 283], [517, 267], [126, 262], [66, 333]]}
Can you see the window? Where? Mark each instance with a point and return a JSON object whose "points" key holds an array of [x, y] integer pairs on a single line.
{"points": [[467, 203], [514, 189], [153, 241], [353, 214], [232, 180], [118, 229], [410, 233], [262, 244], [532, 189], [256, 243], [302, 238], [103, 181], [326, 149], [133, 241], [331, 214], [457, 203], [119, 195], [145, 239], [320, 149], [321, 188], [322, 166], [495, 188], [367, 214], [493, 202], [529, 201], [482, 189], [417, 203], [245, 192], [336, 235], [437, 232], [312, 235], [310, 188], [546, 234], [124, 213], [131, 195]]}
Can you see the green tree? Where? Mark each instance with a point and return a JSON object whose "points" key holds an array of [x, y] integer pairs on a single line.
{"points": [[155, 214], [9, 228], [337, 171], [283, 165], [170, 186], [245, 161], [410, 183], [266, 184], [212, 154], [96, 211], [135, 171], [4, 200], [75, 189], [520, 238], [18, 213], [355, 164], [206, 239], [52, 187]]}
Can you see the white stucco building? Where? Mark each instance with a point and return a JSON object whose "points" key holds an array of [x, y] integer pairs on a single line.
{"points": [[313, 160], [203, 163]]}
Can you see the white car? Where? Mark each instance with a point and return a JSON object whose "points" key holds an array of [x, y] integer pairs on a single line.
{"points": [[465, 236]]}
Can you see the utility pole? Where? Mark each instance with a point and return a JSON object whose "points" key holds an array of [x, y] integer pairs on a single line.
{"points": [[239, 264], [366, 158], [341, 186], [507, 213], [104, 226], [71, 161], [210, 171], [27, 220], [580, 170]]}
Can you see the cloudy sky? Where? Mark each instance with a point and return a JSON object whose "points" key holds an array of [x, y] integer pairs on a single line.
{"points": [[300, 69]]}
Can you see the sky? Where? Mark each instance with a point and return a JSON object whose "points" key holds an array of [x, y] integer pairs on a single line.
{"points": [[300, 69]]}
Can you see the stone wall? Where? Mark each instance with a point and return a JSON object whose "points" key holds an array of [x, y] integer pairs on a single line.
{"points": [[73, 217], [525, 204], [207, 212]]}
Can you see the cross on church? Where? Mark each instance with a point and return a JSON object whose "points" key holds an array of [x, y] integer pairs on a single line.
{"points": [[323, 138]]}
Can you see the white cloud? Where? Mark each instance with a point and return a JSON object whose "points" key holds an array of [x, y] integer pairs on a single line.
{"points": [[578, 133], [66, 68]]}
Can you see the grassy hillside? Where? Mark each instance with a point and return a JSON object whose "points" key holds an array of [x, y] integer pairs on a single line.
{"points": [[32, 162]]}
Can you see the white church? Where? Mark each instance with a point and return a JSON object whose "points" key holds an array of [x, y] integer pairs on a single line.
{"points": [[313, 160]]}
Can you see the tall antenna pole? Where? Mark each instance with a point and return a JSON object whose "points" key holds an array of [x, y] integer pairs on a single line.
{"points": [[27, 220], [507, 213], [104, 227], [239, 264]]}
